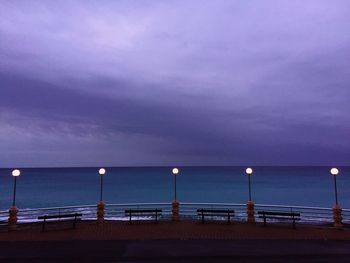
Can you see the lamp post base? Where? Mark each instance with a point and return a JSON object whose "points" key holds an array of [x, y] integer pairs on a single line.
{"points": [[175, 210], [337, 216], [250, 212], [12, 220], [100, 212]]}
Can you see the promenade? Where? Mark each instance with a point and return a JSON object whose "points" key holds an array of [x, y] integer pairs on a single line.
{"points": [[105, 234], [184, 241], [122, 230]]}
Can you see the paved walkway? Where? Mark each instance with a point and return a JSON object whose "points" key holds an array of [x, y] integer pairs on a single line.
{"points": [[184, 241], [176, 251], [115, 230]]}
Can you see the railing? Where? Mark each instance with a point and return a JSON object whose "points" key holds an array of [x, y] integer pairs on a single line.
{"points": [[346, 216], [188, 211], [318, 215], [3, 217], [31, 215], [308, 214], [117, 211]]}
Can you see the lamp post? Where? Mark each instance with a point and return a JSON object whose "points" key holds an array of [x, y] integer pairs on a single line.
{"points": [[175, 203], [102, 172], [249, 172], [12, 220], [15, 174], [335, 172], [175, 171], [250, 203], [337, 211], [101, 204]]}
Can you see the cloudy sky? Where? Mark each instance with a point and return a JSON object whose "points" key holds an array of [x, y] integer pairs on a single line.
{"points": [[89, 83]]}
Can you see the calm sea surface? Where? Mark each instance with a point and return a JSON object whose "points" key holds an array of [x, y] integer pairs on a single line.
{"points": [[47, 187]]}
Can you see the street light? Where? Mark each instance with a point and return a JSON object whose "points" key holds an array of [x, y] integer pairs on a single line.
{"points": [[335, 172], [102, 172], [249, 172], [175, 171], [15, 174]]}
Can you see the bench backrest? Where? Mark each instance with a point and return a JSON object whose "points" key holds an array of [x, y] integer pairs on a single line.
{"points": [[132, 211], [60, 216], [270, 213], [230, 211]]}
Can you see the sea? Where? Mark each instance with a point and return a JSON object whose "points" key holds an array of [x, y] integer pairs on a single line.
{"points": [[55, 187]]}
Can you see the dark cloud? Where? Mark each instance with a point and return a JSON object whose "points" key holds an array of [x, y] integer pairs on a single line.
{"points": [[185, 82]]}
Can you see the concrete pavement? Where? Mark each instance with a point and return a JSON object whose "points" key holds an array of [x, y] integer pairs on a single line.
{"points": [[176, 251]]}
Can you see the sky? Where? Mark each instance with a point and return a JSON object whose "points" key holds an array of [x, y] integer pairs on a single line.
{"points": [[148, 83]]}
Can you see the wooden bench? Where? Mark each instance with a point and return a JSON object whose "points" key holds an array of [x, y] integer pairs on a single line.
{"points": [[75, 216], [228, 213], [143, 212], [279, 215]]}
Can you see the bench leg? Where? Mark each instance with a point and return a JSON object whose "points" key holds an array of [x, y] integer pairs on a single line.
{"points": [[43, 228], [264, 220], [293, 223], [156, 217], [74, 222], [202, 218]]}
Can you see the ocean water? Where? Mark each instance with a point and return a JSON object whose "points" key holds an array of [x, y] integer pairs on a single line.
{"points": [[49, 187]]}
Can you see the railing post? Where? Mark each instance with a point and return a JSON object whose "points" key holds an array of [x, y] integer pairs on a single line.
{"points": [[12, 220], [250, 212], [100, 212], [337, 216], [175, 210]]}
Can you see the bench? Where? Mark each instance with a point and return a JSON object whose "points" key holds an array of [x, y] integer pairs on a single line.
{"points": [[216, 212], [143, 212], [61, 216], [279, 215]]}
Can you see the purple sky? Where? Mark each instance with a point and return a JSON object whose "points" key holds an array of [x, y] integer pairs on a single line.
{"points": [[90, 83]]}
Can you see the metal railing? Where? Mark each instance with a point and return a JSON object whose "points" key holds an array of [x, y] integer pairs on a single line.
{"points": [[117, 211], [31, 215], [3, 217], [188, 211], [308, 214]]}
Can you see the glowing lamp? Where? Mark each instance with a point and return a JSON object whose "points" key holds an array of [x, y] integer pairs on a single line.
{"points": [[175, 171], [102, 171], [334, 171], [16, 172], [249, 171]]}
